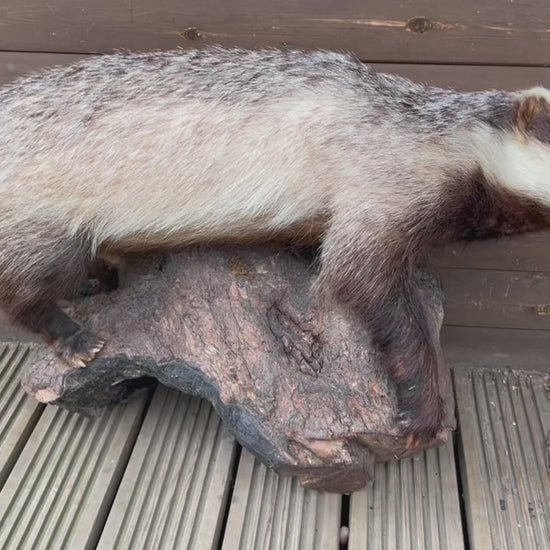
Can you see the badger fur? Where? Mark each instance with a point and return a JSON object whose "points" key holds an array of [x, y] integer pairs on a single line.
{"points": [[137, 151]]}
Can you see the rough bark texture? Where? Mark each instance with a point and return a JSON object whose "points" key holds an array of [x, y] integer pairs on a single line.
{"points": [[296, 382]]}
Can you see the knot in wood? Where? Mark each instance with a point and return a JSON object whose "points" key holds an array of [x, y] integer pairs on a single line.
{"points": [[192, 33], [419, 24]]}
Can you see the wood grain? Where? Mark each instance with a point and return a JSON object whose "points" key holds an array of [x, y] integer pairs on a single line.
{"points": [[462, 77], [470, 77], [446, 31], [504, 422], [500, 348], [522, 253], [15, 64], [490, 298]]}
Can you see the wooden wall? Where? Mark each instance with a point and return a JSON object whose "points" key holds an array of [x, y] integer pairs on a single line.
{"points": [[497, 32], [498, 294]]}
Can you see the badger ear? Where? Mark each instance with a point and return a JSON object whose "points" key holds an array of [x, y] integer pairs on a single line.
{"points": [[532, 111]]}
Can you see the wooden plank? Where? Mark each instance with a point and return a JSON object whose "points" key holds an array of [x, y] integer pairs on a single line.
{"points": [[60, 489], [463, 77], [504, 420], [423, 31], [270, 512], [174, 489], [521, 253], [505, 299], [14, 64], [470, 78], [496, 347], [413, 503], [18, 412]]}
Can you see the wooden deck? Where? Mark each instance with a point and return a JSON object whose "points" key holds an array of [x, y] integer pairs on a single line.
{"points": [[161, 472]]}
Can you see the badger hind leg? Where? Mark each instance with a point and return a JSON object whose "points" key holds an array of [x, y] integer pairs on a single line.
{"points": [[38, 267]]}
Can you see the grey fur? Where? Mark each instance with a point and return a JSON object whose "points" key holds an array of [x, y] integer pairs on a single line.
{"points": [[77, 93]]}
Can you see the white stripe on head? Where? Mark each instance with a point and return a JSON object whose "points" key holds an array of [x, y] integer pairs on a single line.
{"points": [[522, 165], [515, 158], [536, 91]]}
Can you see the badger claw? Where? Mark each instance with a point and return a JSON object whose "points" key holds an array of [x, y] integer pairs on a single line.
{"points": [[78, 348]]}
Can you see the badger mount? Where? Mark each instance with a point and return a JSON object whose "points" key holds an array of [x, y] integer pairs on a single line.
{"points": [[297, 384]]}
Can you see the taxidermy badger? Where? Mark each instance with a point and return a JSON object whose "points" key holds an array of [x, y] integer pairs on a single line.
{"points": [[138, 151]]}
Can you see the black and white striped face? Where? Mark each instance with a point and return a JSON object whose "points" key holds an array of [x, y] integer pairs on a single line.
{"points": [[519, 157]]}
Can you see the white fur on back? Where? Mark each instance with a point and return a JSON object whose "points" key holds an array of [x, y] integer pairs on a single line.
{"points": [[197, 170], [204, 144]]}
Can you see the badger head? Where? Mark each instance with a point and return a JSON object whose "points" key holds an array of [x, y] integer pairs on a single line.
{"points": [[517, 156]]}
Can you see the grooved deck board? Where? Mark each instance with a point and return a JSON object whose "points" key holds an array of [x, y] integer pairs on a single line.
{"points": [[272, 512], [60, 488], [173, 492], [412, 504], [505, 421], [18, 412]]}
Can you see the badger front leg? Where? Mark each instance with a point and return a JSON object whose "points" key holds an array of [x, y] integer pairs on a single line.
{"points": [[39, 266], [369, 264], [72, 343]]}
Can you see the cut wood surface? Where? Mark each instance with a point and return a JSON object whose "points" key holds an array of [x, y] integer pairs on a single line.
{"points": [[296, 382], [446, 31]]}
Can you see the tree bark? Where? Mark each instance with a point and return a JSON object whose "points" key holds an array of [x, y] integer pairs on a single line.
{"points": [[296, 381]]}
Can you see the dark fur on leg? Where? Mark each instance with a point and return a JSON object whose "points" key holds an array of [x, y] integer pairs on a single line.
{"points": [[371, 269], [66, 337], [402, 330], [31, 283]]}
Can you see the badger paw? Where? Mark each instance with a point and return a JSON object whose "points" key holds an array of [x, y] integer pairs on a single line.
{"points": [[78, 348], [420, 420]]}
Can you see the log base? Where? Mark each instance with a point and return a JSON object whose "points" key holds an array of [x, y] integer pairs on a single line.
{"points": [[298, 384]]}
